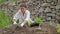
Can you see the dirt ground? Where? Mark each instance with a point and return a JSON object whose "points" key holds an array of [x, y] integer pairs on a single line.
{"points": [[45, 29]]}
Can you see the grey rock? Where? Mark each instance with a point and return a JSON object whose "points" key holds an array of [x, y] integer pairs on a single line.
{"points": [[58, 7], [45, 4], [48, 18], [41, 9], [59, 2], [49, 0], [53, 7], [11, 3], [47, 9]]}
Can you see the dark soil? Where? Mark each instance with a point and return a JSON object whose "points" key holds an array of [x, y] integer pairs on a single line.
{"points": [[14, 29]]}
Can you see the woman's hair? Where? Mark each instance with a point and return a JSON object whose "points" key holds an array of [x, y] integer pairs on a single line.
{"points": [[23, 5]]}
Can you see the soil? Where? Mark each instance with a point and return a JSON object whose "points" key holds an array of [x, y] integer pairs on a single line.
{"points": [[14, 29]]}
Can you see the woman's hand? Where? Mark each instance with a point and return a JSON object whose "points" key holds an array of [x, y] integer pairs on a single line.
{"points": [[22, 25], [14, 21]]}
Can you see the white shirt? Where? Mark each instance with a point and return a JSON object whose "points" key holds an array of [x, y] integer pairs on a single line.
{"points": [[19, 15]]}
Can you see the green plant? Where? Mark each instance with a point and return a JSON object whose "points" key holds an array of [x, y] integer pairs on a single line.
{"points": [[5, 20], [29, 22], [58, 29], [1, 1], [50, 23], [38, 20], [58, 21], [14, 0], [18, 24]]}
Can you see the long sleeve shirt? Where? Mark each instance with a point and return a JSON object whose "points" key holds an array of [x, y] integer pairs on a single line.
{"points": [[19, 15]]}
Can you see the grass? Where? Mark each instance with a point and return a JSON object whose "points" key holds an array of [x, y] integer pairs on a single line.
{"points": [[1, 1], [14, 0], [58, 29], [4, 19]]}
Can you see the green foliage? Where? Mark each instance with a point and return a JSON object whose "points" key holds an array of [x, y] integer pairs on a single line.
{"points": [[58, 29], [4, 19], [1, 1], [58, 25], [29, 22], [14, 0], [58, 21], [38, 20], [50, 23], [18, 24]]}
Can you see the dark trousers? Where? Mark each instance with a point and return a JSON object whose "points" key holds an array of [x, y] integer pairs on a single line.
{"points": [[34, 24]]}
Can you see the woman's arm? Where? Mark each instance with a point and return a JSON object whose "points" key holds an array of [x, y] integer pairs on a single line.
{"points": [[15, 18]]}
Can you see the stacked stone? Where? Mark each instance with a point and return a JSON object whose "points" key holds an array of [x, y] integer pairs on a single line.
{"points": [[47, 9]]}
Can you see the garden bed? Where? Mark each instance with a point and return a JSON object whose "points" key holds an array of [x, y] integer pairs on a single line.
{"points": [[45, 29]]}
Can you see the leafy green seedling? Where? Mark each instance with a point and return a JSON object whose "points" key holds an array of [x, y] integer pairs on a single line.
{"points": [[58, 25], [29, 22], [18, 24], [50, 23], [38, 20], [58, 29]]}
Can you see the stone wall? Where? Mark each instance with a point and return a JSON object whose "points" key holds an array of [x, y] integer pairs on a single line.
{"points": [[48, 10]]}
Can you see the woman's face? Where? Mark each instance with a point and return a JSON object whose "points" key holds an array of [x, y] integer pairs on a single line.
{"points": [[23, 9]]}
